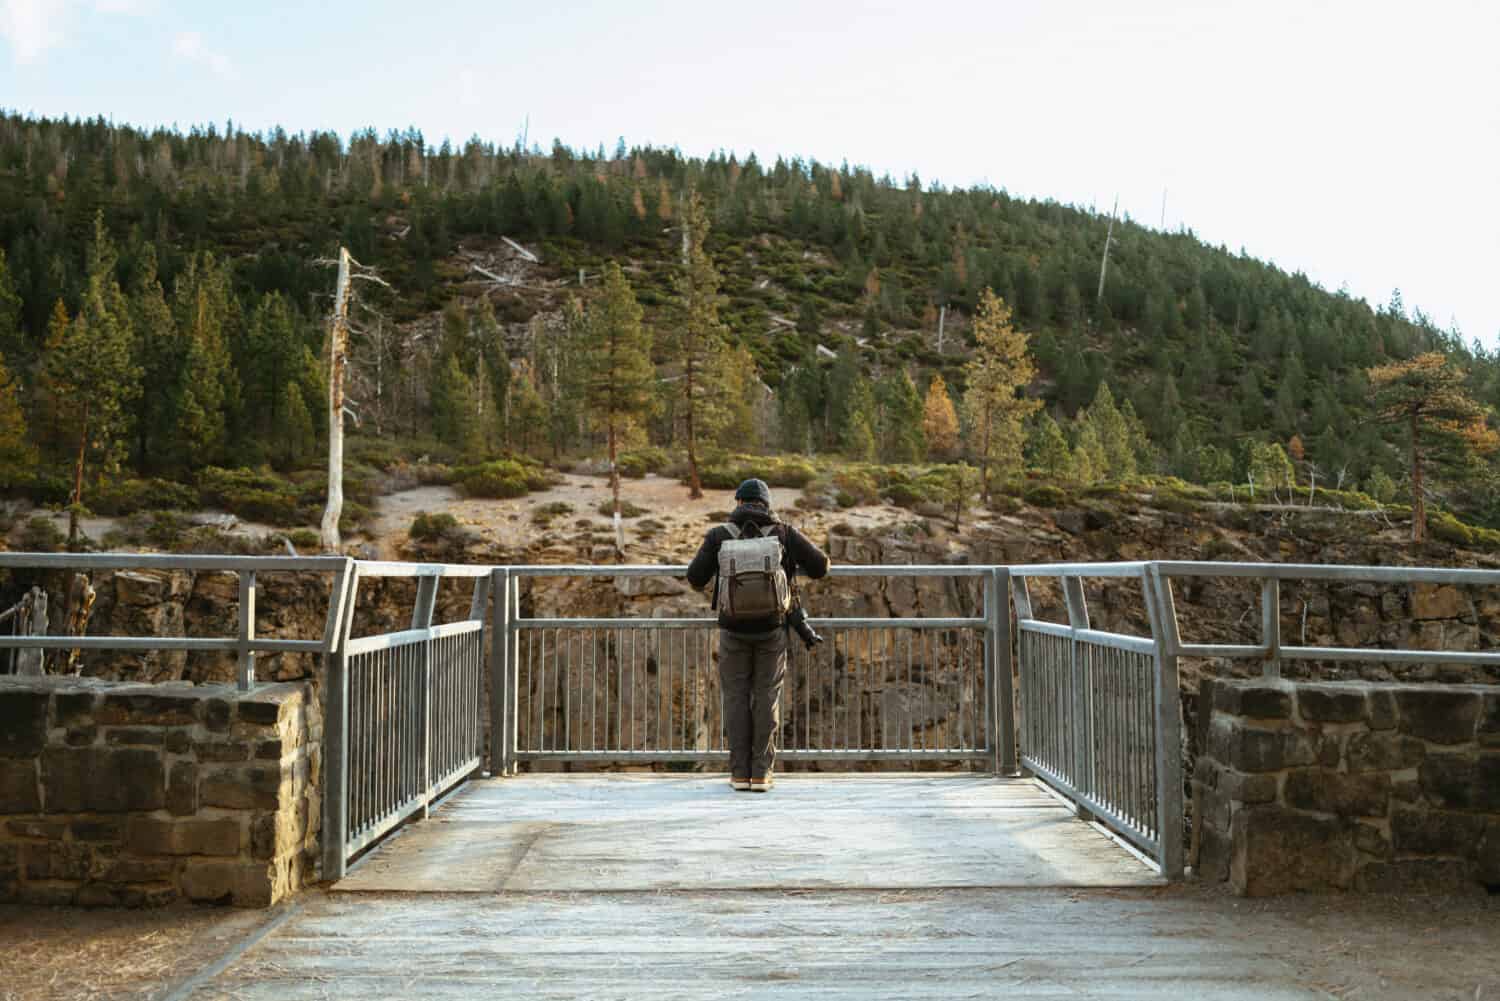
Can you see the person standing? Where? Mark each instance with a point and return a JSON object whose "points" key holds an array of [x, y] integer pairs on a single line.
{"points": [[751, 560]]}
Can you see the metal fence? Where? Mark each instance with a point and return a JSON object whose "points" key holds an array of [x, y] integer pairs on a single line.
{"points": [[905, 689], [403, 711], [1100, 713], [245, 643]]}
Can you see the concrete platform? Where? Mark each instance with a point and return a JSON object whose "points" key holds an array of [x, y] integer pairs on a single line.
{"points": [[628, 833]]}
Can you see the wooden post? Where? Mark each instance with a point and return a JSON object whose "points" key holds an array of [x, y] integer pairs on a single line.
{"points": [[338, 350]]}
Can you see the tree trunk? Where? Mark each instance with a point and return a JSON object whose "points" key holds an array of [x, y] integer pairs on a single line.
{"points": [[1418, 504], [695, 485], [77, 500], [614, 486], [984, 457], [337, 363]]}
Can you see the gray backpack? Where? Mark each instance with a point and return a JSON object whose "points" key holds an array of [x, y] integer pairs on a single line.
{"points": [[752, 583]]}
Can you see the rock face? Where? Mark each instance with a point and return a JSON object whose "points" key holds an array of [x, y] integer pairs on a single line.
{"points": [[135, 795], [1375, 787]]}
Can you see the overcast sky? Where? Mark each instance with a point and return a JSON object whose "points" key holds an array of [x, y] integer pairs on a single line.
{"points": [[1358, 142]]}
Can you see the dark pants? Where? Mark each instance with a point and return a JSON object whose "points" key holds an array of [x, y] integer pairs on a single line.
{"points": [[752, 667]]}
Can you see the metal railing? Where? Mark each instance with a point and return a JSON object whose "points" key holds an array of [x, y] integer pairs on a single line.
{"points": [[1100, 713], [1099, 710], [245, 643], [1269, 577], [403, 711], [904, 689]]}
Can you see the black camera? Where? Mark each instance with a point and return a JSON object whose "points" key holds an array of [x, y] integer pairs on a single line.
{"points": [[796, 619]]}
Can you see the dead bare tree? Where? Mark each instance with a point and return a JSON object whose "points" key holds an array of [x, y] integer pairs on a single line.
{"points": [[338, 365], [1108, 238]]}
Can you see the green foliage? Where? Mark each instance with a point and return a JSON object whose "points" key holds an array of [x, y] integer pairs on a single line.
{"points": [[627, 509], [434, 527], [253, 494], [543, 514], [637, 462], [41, 535], [855, 487], [1212, 347], [1044, 495], [1380, 486], [778, 471], [123, 497], [500, 478]]}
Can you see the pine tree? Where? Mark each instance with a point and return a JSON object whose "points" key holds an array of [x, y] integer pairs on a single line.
{"points": [[1427, 398], [16, 453], [857, 428], [13, 343], [297, 438], [495, 362], [939, 420], [998, 371], [1089, 461], [697, 341], [90, 372], [527, 418], [741, 397], [207, 388], [619, 379], [1118, 442], [159, 357], [900, 418], [1380, 486], [453, 407], [1048, 447]]}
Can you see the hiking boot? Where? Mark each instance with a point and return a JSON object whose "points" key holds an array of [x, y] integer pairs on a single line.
{"points": [[762, 784], [740, 785]]}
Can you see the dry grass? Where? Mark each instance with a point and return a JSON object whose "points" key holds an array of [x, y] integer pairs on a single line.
{"points": [[61, 954]]}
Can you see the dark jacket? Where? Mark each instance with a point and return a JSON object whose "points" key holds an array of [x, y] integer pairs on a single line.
{"points": [[798, 553]]}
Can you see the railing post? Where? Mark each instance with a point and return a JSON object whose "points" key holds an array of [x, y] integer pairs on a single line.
{"points": [[421, 618], [335, 825], [246, 669], [1004, 671], [499, 670], [1020, 595], [1167, 701], [1083, 717], [1270, 626]]}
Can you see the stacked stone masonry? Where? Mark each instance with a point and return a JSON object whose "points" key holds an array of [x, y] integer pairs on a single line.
{"points": [[1372, 787], [120, 794]]}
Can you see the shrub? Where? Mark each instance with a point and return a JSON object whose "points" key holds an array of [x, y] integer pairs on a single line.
{"points": [[638, 462], [502, 478], [255, 495], [305, 538], [907, 495], [41, 535], [433, 527], [125, 497], [1044, 495], [543, 514], [857, 485], [627, 510]]}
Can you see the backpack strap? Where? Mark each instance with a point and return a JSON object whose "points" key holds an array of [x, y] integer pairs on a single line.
{"points": [[734, 533]]}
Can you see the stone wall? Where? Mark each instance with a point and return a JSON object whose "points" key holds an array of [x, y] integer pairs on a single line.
{"points": [[138, 795], [1374, 787]]}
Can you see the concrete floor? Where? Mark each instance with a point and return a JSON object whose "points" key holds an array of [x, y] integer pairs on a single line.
{"points": [[623, 832]]}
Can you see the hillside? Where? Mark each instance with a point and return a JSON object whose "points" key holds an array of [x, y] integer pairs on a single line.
{"points": [[215, 243]]}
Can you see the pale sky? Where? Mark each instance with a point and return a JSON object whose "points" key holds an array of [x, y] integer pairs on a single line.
{"points": [[1358, 142]]}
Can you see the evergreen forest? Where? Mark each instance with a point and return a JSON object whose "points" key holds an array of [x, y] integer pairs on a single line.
{"points": [[165, 295]]}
